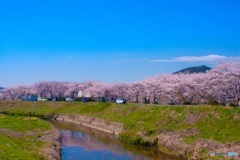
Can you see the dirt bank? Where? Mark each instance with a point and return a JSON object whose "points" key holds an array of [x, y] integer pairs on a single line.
{"points": [[174, 141], [52, 151], [96, 123]]}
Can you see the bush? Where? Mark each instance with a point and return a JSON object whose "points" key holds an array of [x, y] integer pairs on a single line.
{"points": [[61, 99], [232, 104], [77, 99], [134, 138], [222, 103], [187, 103], [194, 103], [213, 102], [171, 103]]}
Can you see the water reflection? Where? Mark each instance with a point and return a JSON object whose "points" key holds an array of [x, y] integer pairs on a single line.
{"points": [[77, 145], [82, 143]]}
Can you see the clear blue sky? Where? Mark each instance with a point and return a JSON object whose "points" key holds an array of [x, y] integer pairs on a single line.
{"points": [[108, 40]]}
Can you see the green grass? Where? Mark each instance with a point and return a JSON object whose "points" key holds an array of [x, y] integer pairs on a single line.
{"points": [[191, 139], [12, 148], [23, 124], [217, 123], [19, 137]]}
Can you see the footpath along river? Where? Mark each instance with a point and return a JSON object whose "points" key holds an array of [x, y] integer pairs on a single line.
{"points": [[83, 143]]}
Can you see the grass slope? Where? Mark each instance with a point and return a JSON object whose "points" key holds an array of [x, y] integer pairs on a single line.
{"points": [[143, 123], [20, 137]]}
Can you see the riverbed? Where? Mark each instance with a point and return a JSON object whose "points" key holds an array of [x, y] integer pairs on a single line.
{"points": [[79, 142]]}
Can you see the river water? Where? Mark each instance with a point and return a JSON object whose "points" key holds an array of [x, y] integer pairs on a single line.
{"points": [[82, 143]]}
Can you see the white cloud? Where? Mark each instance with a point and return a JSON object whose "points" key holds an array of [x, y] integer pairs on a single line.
{"points": [[208, 58]]}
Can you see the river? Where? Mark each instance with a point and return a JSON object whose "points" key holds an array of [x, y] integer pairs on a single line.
{"points": [[82, 143]]}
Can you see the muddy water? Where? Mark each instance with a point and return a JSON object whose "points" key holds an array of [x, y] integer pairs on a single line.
{"points": [[82, 143]]}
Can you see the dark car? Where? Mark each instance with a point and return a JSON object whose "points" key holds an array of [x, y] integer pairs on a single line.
{"points": [[112, 99], [102, 99], [33, 98], [84, 99]]}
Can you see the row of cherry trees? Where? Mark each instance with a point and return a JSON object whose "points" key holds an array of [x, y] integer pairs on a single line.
{"points": [[221, 84]]}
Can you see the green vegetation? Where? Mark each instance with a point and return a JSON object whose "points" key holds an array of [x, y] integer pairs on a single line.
{"points": [[143, 123], [23, 124], [21, 138]]}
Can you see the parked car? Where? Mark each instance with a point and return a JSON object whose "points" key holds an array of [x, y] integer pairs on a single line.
{"points": [[102, 99], [69, 100], [54, 100], [111, 99], [120, 101], [33, 98], [84, 99], [41, 99], [24, 98]]}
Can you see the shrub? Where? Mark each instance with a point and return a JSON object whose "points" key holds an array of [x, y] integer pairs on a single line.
{"points": [[134, 138], [187, 103], [77, 99], [222, 103], [171, 103], [231, 104], [213, 102], [61, 99], [194, 103]]}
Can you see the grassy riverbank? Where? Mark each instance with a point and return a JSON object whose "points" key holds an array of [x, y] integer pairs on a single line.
{"points": [[26, 138], [180, 129]]}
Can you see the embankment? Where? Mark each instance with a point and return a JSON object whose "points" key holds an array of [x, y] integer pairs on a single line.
{"points": [[188, 131], [28, 138], [53, 147], [95, 123]]}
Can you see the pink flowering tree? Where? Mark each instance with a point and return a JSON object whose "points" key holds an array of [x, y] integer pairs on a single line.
{"points": [[229, 79], [154, 88], [136, 90]]}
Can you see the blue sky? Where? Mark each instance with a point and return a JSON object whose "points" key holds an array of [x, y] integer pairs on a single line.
{"points": [[111, 41]]}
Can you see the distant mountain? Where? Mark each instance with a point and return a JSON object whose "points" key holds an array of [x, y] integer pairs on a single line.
{"points": [[1, 88], [196, 69]]}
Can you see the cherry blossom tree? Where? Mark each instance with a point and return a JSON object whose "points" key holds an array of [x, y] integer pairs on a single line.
{"points": [[136, 90], [229, 78], [154, 89], [120, 89], [97, 89], [222, 83], [51, 89], [179, 88], [72, 89]]}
